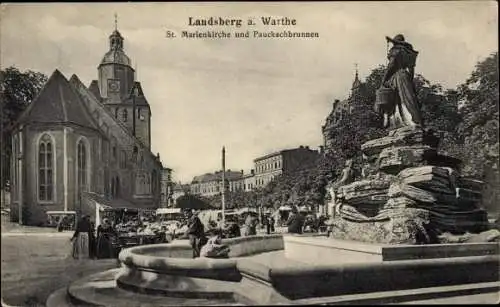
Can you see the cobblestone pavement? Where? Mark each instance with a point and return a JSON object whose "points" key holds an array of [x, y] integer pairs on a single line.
{"points": [[35, 265]]}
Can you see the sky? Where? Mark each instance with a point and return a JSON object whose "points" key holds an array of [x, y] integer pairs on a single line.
{"points": [[253, 96]]}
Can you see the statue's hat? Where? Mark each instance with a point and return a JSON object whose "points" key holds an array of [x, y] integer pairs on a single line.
{"points": [[398, 39]]}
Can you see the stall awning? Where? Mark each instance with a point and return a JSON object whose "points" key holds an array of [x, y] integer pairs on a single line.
{"points": [[116, 203], [168, 210]]}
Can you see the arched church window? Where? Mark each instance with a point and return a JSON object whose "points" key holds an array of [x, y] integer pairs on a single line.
{"points": [[123, 159], [125, 115], [116, 113], [45, 168], [82, 165]]}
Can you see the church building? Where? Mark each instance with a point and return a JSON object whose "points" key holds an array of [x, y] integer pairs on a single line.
{"points": [[74, 143]]}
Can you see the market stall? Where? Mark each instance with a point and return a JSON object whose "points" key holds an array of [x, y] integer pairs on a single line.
{"points": [[133, 225]]}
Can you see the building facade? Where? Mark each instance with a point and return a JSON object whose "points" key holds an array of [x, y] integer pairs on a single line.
{"points": [[74, 140], [341, 109], [210, 184], [285, 161], [166, 187]]}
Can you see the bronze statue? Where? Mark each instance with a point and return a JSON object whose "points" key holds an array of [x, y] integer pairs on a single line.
{"points": [[396, 97]]}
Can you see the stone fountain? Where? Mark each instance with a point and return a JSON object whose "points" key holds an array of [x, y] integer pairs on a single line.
{"points": [[379, 251]]}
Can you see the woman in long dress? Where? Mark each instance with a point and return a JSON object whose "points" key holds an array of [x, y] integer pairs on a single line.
{"points": [[105, 237], [404, 109], [81, 239]]}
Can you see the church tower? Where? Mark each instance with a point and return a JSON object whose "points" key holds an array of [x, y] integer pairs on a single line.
{"points": [[120, 92], [116, 75]]}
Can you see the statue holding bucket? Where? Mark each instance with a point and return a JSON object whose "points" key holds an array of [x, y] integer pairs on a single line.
{"points": [[396, 98]]}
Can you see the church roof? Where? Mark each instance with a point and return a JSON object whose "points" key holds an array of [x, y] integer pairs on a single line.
{"points": [[94, 88], [116, 56], [138, 93], [57, 102]]}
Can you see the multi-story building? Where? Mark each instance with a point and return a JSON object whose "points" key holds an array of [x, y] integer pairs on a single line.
{"points": [[284, 161], [75, 140], [249, 181], [210, 184]]}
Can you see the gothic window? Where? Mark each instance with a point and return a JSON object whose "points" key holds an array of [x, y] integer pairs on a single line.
{"points": [[45, 168], [135, 153], [125, 115], [82, 165], [123, 159], [116, 113], [139, 113]]}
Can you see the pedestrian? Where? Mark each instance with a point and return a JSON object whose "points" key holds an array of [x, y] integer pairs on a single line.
{"points": [[105, 237], [61, 224], [265, 221], [271, 223], [251, 225], [295, 221], [92, 241], [81, 239], [214, 248], [195, 232]]}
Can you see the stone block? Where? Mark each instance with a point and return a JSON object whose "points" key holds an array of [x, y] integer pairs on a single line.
{"points": [[364, 185], [471, 184], [468, 195], [393, 160], [425, 170], [400, 203], [401, 137], [411, 192]]}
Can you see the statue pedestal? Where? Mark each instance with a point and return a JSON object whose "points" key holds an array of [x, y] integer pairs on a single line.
{"points": [[328, 251], [409, 193]]}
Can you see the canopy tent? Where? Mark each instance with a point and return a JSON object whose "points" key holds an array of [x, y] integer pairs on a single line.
{"points": [[168, 210], [102, 204]]}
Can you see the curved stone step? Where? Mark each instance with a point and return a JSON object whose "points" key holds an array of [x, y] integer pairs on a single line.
{"points": [[59, 298], [101, 290]]}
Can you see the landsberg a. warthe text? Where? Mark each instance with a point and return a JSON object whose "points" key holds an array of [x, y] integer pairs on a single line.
{"points": [[220, 21]]}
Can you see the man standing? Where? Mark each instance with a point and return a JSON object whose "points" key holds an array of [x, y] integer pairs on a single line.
{"points": [[195, 232]]}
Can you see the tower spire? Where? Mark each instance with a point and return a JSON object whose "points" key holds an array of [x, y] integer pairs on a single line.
{"points": [[356, 83], [116, 22]]}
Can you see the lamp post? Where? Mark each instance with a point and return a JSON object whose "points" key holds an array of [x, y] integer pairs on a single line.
{"points": [[223, 184]]}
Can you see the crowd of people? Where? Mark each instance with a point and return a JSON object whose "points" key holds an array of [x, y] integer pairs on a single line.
{"points": [[91, 243], [104, 242]]}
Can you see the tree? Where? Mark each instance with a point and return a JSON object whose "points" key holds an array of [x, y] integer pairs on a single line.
{"points": [[478, 131], [191, 201], [18, 91]]}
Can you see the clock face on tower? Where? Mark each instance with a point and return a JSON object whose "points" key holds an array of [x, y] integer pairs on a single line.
{"points": [[114, 86]]}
